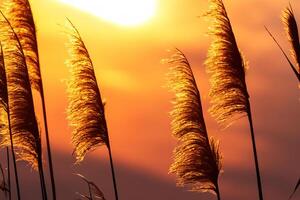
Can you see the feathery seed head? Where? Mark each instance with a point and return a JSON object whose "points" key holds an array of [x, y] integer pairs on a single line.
{"points": [[24, 126], [225, 64], [291, 29], [196, 158], [85, 109], [19, 13]]}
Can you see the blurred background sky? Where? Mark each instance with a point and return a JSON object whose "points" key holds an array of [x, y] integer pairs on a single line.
{"points": [[131, 78]]}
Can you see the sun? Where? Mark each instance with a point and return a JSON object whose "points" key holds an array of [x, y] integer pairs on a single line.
{"points": [[122, 12]]}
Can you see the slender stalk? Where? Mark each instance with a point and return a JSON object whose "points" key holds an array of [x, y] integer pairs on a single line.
{"points": [[218, 192], [113, 172], [42, 178], [287, 58], [48, 144], [8, 174], [110, 155], [90, 191], [13, 154], [259, 185]]}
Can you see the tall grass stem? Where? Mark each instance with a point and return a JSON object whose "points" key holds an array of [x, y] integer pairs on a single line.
{"points": [[13, 154], [259, 185], [8, 173], [113, 172]]}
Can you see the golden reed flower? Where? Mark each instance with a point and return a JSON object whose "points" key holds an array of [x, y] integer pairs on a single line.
{"points": [[291, 29], [85, 110], [19, 14], [225, 64], [25, 131], [196, 158]]}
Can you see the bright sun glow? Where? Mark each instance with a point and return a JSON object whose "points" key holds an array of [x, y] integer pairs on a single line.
{"points": [[123, 12]]}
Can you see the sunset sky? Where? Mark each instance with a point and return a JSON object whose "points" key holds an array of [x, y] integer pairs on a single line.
{"points": [[126, 51]]}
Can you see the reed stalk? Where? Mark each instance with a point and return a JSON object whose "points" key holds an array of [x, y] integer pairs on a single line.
{"points": [[13, 155], [8, 173], [113, 172], [94, 190], [259, 185]]}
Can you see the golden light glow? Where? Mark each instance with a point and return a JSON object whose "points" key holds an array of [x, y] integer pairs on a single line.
{"points": [[122, 12]]}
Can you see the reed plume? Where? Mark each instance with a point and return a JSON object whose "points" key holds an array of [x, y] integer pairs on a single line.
{"points": [[24, 127], [226, 66], [94, 191], [291, 29], [85, 110], [5, 128], [20, 15], [197, 161]]}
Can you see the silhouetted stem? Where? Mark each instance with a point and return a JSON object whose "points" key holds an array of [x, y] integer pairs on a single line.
{"points": [[218, 192], [296, 187], [113, 172], [48, 145], [42, 178], [259, 185], [91, 196], [287, 58], [13, 154], [8, 174]]}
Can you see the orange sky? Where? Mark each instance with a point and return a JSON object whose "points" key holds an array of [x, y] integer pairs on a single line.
{"points": [[131, 79]]}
